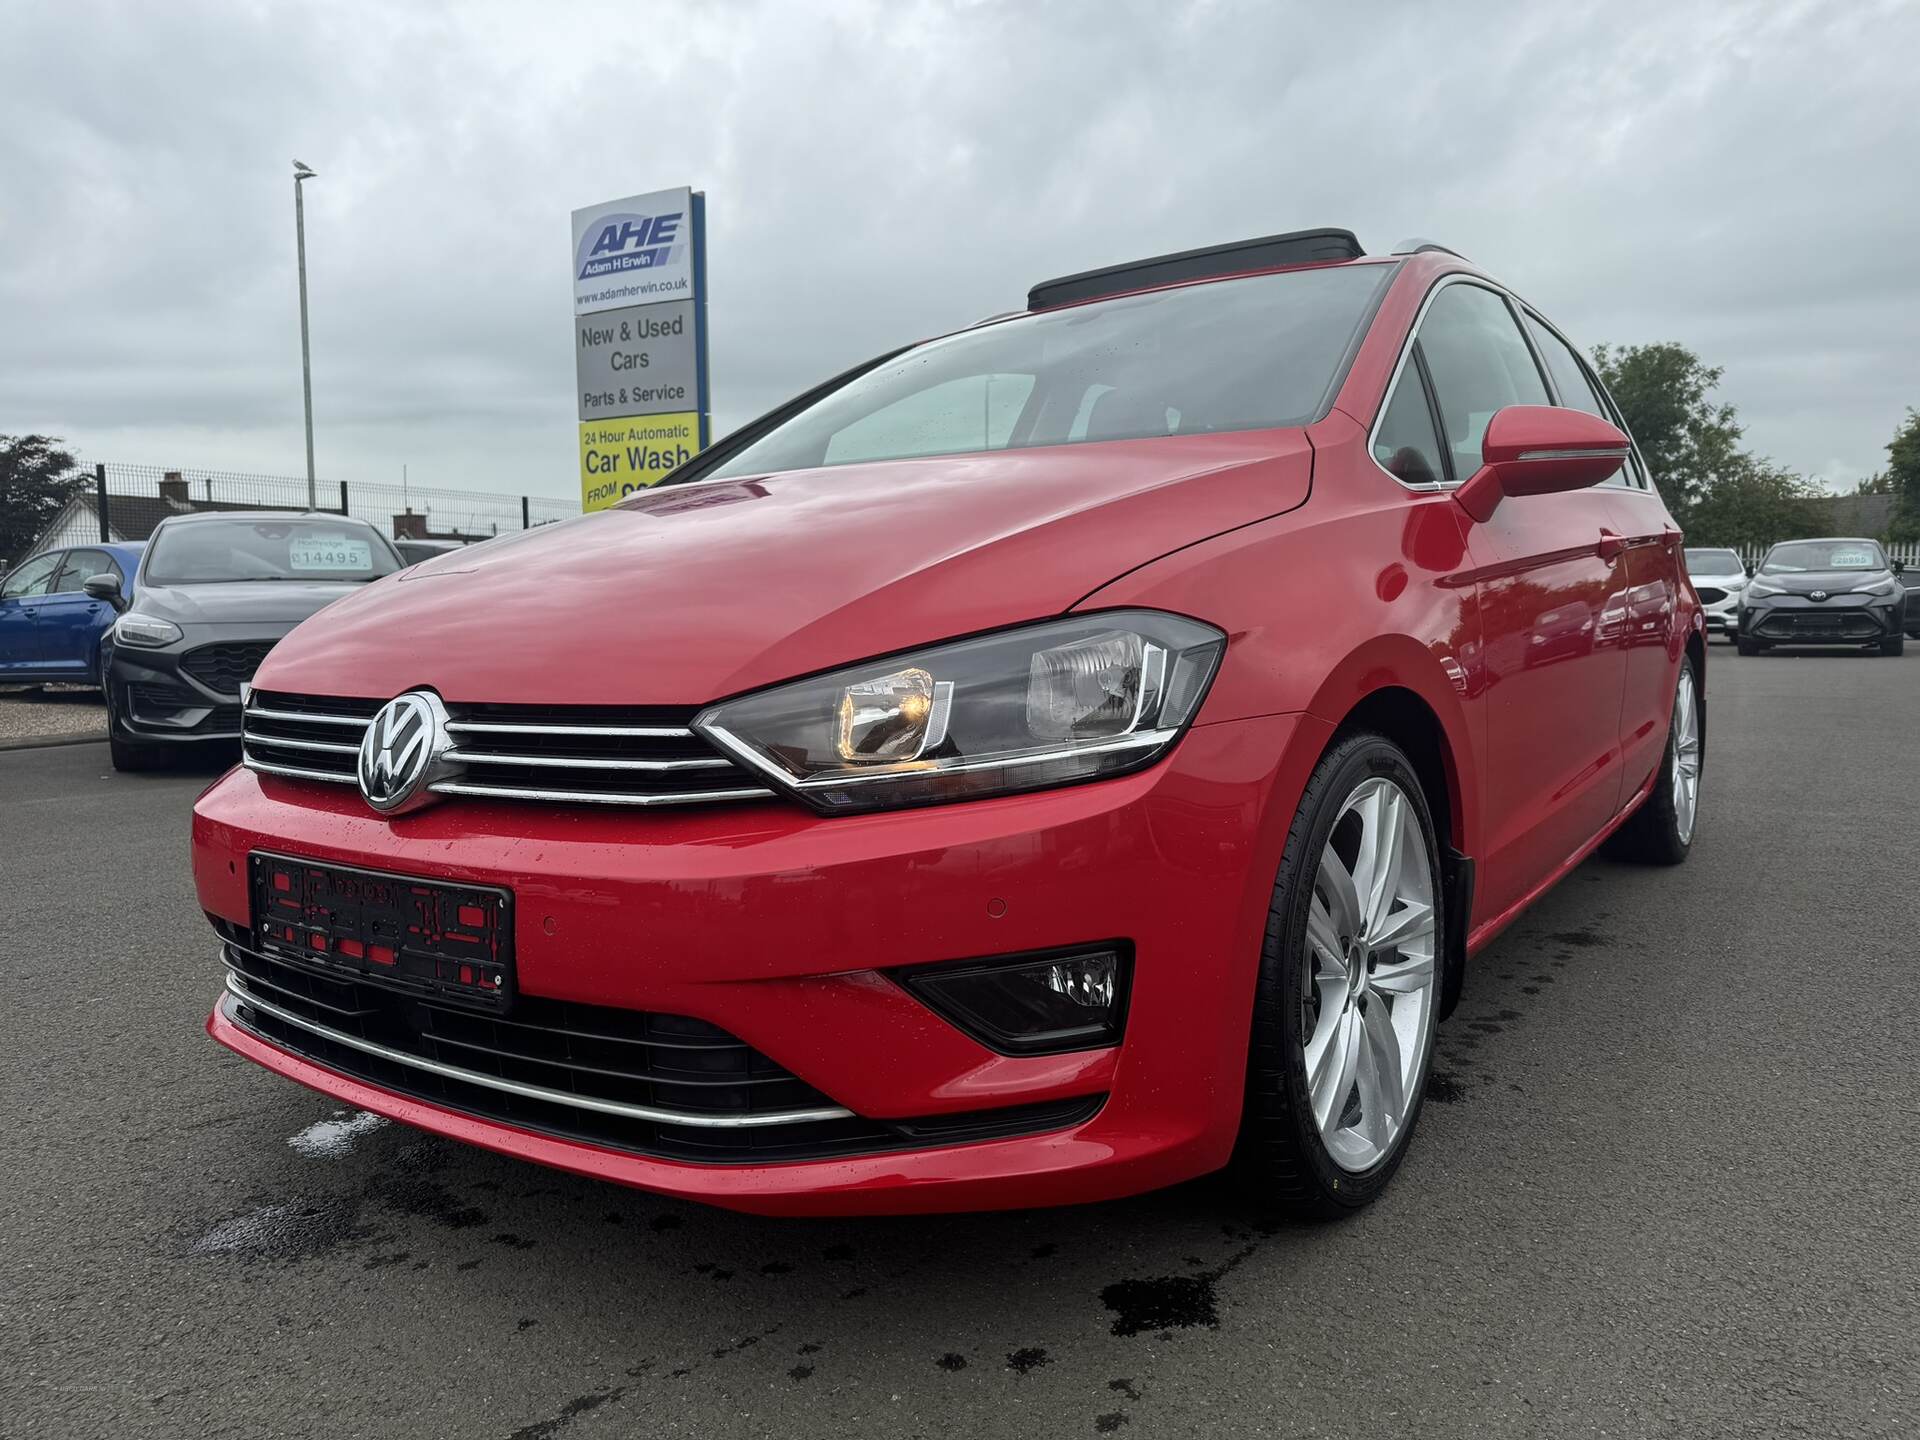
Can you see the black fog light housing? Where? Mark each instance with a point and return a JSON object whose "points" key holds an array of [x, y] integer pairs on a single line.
{"points": [[1036, 1004]]}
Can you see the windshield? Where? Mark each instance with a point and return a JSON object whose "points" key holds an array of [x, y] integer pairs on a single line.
{"points": [[212, 552], [1802, 555], [1713, 562], [1246, 354]]}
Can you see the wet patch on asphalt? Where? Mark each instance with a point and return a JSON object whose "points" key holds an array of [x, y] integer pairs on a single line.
{"points": [[1170, 1302], [1585, 938], [568, 1413], [1028, 1359], [334, 1137], [291, 1230]]}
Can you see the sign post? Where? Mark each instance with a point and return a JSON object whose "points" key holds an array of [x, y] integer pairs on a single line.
{"points": [[640, 340]]}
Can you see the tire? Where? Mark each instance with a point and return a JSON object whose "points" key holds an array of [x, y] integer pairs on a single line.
{"points": [[1283, 1159], [1746, 646], [129, 755], [1894, 645], [1661, 831]]}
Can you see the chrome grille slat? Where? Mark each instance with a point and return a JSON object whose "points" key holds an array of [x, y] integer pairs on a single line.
{"points": [[287, 742], [582, 762], [291, 772], [613, 732], [598, 797], [261, 712], [546, 758]]}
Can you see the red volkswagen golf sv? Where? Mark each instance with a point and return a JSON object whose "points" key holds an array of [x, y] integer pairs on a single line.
{"points": [[1046, 763]]}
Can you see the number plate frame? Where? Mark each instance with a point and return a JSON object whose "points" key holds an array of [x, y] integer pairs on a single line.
{"points": [[441, 939]]}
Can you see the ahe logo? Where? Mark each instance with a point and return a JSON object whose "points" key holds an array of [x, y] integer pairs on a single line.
{"points": [[630, 242]]}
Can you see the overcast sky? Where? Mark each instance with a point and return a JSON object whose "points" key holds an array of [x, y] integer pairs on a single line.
{"points": [[1741, 179]]}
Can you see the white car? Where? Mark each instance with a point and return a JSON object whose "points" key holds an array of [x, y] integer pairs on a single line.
{"points": [[1718, 576]]}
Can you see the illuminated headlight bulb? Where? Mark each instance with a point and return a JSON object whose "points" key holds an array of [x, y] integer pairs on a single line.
{"points": [[889, 719]]}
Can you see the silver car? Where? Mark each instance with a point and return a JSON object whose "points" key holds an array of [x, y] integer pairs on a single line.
{"points": [[1718, 576]]}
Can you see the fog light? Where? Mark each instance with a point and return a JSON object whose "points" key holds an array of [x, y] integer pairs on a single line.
{"points": [[1031, 1004]]}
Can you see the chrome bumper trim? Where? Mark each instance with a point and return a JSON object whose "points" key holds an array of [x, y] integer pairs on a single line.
{"points": [[514, 1087]]}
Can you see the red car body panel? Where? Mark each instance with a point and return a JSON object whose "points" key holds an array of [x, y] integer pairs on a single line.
{"points": [[1543, 643], [726, 587]]}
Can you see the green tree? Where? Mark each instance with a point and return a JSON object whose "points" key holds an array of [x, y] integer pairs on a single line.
{"points": [[1878, 483], [1665, 393], [1752, 502], [1903, 475], [37, 477]]}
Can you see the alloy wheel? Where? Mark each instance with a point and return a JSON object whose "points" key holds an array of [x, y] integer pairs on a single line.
{"points": [[1686, 756], [1368, 995]]}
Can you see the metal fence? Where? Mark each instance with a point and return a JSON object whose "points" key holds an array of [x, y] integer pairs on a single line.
{"points": [[126, 502]]}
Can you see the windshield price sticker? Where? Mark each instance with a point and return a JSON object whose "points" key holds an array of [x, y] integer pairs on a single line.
{"points": [[328, 553]]}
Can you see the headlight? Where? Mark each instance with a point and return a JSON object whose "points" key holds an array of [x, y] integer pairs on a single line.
{"points": [[133, 629], [1018, 710], [1878, 587], [1757, 586]]}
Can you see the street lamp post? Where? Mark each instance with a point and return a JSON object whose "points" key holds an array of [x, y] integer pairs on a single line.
{"points": [[301, 172]]}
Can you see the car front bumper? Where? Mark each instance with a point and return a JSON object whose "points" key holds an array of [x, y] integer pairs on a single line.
{"points": [[1719, 608], [189, 691], [776, 926], [1841, 620]]}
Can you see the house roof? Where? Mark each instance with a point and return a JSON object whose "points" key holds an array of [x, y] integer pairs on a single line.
{"points": [[135, 517]]}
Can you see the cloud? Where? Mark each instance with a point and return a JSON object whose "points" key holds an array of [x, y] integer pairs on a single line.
{"points": [[1732, 177]]}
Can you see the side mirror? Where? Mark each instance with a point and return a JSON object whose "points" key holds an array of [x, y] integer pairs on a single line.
{"points": [[1540, 450], [1899, 567], [1751, 567], [105, 586]]}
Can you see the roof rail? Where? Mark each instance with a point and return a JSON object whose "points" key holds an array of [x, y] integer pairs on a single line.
{"points": [[1298, 247], [1417, 244]]}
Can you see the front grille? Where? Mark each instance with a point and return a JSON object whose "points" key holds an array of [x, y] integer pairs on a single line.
{"points": [[1818, 625], [588, 755], [225, 668], [652, 1084], [1710, 594]]}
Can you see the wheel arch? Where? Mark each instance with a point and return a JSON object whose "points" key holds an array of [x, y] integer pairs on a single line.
{"points": [[1440, 754]]}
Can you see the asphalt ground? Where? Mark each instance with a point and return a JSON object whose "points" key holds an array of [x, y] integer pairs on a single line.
{"points": [[1667, 1186]]}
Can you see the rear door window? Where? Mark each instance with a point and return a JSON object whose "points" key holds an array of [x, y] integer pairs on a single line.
{"points": [[80, 567], [1569, 376], [1479, 363], [1576, 387]]}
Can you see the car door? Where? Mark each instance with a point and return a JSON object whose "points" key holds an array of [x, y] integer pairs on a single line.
{"points": [[1650, 542], [70, 619], [1553, 598], [21, 598]]}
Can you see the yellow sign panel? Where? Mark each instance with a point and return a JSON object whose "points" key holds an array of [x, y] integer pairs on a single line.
{"points": [[618, 457]]}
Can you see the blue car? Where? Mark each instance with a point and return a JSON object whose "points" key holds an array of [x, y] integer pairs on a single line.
{"points": [[50, 628]]}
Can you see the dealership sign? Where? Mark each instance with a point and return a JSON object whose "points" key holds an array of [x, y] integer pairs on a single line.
{"points": [[640, 339]]}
